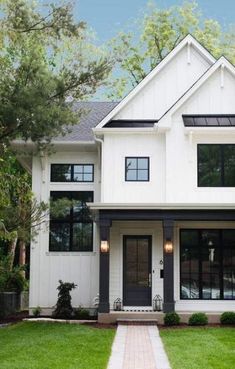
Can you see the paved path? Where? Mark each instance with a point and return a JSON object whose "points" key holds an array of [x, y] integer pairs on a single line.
{"points": [[138, 347]]}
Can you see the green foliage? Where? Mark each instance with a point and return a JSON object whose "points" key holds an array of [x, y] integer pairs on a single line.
{"points": [[160, 30], [198, 319], [47, 59], [171, 319], [11, 279], [228, 318], [64, 308], [36, 311], [81, 313]]}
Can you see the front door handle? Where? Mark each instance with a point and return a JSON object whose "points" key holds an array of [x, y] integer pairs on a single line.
{"points": [[150, 280]]}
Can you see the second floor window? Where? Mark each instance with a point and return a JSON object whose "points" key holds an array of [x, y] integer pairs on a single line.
{"points": [[72, 173], [216, 165], [137, 169]]}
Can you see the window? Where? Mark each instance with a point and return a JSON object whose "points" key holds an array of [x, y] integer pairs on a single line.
{"points": [[71, 226], [137, 169], [72, 173], [207, 264], [216, 165]]}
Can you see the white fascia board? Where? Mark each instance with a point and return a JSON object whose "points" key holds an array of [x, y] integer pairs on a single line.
{"points": [[189, 39], [160, 206], [101, 131], [209, 130], [165, 120]]}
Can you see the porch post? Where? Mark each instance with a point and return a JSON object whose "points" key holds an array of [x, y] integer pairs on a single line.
{"points": [[104, 269], [168, 262]]}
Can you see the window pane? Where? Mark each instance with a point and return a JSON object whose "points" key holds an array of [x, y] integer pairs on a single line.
{"points": [[88, 168], [209, 165], [143, 163], [142, 175], [131, 163], [59, 237], [131, 175], [82, 236], [78, 168], [78, 177], [60, 172], [229, 165], [87, 177]]}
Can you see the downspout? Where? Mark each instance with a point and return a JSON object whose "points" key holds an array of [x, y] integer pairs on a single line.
{"points": [[100, 152]]}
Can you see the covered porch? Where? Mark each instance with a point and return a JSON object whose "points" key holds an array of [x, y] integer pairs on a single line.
{"points": [[140, 260]]}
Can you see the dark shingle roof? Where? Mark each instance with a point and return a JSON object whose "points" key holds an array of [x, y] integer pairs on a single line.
{"points": [[127, 123], [95, 112], [209, 120]]}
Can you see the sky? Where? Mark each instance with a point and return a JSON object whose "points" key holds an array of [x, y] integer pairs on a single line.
{"points": [[107, 17]]}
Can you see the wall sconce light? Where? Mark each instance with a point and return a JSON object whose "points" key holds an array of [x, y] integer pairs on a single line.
{"points": [[168, 246], [104, 246]]}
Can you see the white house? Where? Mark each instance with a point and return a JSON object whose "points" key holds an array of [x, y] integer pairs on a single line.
{"points": [[157, 171]]}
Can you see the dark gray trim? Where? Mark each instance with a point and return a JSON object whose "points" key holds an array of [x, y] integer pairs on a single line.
{"points": [[104, 270], [159, 214], [168, 262], [72, 172]]}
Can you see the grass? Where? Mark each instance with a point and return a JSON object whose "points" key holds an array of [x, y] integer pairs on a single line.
{"points": [[200, 348], [54, 346]]}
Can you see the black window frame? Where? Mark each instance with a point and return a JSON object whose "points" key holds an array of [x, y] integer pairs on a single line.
{"points": [[222, 169], [72, 172], [148, 168], [71, 220], [221, 273]]}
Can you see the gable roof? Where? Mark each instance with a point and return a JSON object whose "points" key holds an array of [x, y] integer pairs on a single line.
{"points": [[222, 62], [94, 113], [188, 40]]}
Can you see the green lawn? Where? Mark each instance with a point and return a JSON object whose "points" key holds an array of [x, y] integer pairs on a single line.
{"points": [[54, 346], [200, 348]]}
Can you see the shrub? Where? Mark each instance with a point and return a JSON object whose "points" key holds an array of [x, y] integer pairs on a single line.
{"points": [[11, 279], [36, 311], [228, 317], [198, 319], [171, 319], [63, 309], [81, 313]]}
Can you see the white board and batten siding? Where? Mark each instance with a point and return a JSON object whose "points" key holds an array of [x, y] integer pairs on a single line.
{"points": [[48, 267]]}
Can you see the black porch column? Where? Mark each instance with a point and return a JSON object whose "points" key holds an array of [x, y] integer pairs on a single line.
{"points": [[104, 269], [168, 260]]}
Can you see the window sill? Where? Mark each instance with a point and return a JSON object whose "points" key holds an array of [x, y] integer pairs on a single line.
{"points": [[71, 253]]}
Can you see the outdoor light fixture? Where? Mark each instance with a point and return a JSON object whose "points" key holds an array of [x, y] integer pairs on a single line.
{"points": [[104, 246], [168, 246]]}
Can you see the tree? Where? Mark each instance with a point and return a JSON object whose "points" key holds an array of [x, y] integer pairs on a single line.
{"points": [[46, 61], [160, 31]]}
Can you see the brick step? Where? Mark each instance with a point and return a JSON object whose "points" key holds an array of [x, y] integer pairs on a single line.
{"points": [[137, 321]]}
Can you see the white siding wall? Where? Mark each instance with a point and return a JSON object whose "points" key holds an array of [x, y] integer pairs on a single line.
{"points": [[114, 186], [166, 88], [48, 267]]}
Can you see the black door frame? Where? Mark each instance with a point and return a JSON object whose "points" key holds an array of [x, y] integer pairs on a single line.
{"points": [[125, 237]]}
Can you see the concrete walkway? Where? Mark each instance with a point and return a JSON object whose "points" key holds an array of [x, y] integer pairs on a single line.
{"points": [[138, 347]]}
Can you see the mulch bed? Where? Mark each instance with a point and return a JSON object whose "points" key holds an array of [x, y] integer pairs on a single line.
{"points": [[185, 325], [15, 318]]}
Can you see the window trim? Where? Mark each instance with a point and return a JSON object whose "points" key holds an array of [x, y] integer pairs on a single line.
{"points": [[221, 269], [71, 221], [72, 173], [222, 178], [148, 169]]}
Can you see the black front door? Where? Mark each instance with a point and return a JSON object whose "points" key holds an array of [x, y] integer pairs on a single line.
{"points": [[137, 270]]}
